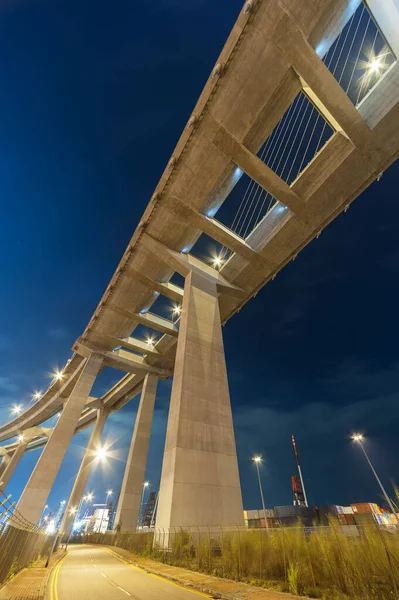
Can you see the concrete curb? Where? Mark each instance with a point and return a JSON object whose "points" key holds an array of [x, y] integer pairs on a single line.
{"points": [[50, 572], [181, 582], [198, 588]]}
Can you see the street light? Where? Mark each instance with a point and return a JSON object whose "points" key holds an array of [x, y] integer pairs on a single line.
{"points": [[358, 438], [36, 396], [217, 261], [257, 460], [101, 453], [16, 409], [58, 375], [145, 485]]}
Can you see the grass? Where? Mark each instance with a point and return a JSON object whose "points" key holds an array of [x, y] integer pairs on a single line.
{"points": [[319, 562]]}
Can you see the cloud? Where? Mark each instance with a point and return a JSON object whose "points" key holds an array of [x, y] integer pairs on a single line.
{"points": [[58, 333], [368, 397]]}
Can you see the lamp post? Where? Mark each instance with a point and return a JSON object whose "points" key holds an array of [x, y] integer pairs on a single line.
{"points": [[358, 438], [109, 493], [145, 485], [257, 460]]}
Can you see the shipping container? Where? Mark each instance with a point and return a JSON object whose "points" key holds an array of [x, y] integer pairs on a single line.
{"points": [[350, 519], [253, 523], [348, 510], [365, 519], [366, 507], [295, 511]]}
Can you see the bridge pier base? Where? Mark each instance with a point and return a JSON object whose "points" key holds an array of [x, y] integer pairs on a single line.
{"points": [[12, 464], [83, 474], [129, 505], [200, 483], [35, 494]]}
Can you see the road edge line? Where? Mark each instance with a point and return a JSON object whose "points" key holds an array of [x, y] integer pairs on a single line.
{"points": [[49, 590], [189, 586]]}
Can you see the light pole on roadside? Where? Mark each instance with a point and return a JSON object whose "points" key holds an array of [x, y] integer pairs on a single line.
{"points": [[358, 438], [257, 460]]}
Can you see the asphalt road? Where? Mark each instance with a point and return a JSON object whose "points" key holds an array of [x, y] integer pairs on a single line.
{"points": [[94, 573]]}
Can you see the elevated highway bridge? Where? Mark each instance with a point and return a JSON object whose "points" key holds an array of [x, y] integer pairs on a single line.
{"points": [[276, 51]]}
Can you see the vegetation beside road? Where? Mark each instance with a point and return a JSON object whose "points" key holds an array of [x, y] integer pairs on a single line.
{"points": [[322, 562]]}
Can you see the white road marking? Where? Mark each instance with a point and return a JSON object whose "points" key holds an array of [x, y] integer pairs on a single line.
{"points": [[124, 591]]}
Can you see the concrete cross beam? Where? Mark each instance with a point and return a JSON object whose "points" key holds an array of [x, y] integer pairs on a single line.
{"points": [[168, 289], [148, 319], [123, 360], [261, 173], [185, 264], [324, 90], [134, 344], [220, 233], [131, 363]]}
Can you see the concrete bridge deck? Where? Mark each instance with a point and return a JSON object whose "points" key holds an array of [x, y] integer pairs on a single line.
{"points": [[268, 58]]}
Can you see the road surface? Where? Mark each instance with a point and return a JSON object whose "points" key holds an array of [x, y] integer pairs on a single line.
{"points": [[94, 573]]}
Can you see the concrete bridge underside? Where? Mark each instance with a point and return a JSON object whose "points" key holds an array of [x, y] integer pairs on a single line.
{"points": [[268, 58]]}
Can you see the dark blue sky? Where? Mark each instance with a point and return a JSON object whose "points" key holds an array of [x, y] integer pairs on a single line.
{"points": [[93, 101]]}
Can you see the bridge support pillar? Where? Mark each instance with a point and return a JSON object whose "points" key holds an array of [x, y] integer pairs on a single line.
{"points": [[129, 505], [5, 459], [75, 498], [200, 483], [12, 463], [35, 494]]}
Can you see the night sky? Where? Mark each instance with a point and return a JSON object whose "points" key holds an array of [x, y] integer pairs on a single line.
{"points": [[94, 98]]}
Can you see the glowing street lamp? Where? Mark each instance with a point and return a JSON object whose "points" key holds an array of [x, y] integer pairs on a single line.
{"points": [[16, 409], [217, 261], [21, 438], [358, 438], [101, 453], [257, 460], [176, 310], [58, 375], [150, 341], [36, 396]]}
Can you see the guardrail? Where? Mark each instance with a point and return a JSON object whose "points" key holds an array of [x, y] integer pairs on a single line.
{"points": [[21, 542]]}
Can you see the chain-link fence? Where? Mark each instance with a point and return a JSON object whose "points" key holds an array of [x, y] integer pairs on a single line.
{"points": [[335, 561], [21, 542]]}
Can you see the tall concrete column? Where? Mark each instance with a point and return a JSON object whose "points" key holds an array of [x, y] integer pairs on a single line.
{"points": [[5, 459], [200, 483], [35, 494], [84, 472], [132, 487], [12, 463]]}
